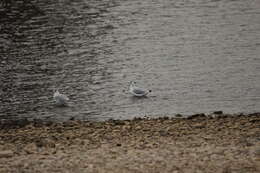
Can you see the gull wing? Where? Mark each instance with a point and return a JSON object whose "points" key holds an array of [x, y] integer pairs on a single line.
{"points": [[64, 97], [139, 91]]}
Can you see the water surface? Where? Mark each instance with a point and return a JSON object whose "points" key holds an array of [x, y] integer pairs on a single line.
{"points": [[195, 55]]}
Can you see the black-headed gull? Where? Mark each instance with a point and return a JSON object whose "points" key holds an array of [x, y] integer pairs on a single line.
{"points": [[136, 91], [60, 99]]}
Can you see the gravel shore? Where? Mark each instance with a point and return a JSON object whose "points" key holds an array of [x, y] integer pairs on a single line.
{"points": [[178, 145]]}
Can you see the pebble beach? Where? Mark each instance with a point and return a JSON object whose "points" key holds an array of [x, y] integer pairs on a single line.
{"points": [[199, 143]]}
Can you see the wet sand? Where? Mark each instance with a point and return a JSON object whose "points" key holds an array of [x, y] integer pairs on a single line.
{"points": [[200, 143]]}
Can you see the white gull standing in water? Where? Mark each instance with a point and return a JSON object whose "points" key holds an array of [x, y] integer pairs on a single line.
{"points": [[60, 99], [136, 91]]}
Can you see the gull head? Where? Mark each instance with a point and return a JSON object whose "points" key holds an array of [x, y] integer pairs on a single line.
{"points": [[132, 83], [56, 92]]}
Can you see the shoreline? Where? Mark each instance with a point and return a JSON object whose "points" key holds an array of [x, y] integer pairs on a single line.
{"points": [[20, 123], [222, 143]]}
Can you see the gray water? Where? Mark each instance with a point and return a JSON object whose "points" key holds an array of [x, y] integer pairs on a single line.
{"points": [[195, 55]]}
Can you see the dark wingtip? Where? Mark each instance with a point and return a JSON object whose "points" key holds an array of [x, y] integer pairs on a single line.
{"points": [[150, 90]]}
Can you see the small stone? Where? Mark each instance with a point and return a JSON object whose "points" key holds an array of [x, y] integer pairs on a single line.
{"points": [[31, 148], [72, 118], [138, 128], [197, 116], [46, 153], [178, 115], [6, 154], [126, 127], [257, 153], [163, 133], [218, 112], [199, 126]]}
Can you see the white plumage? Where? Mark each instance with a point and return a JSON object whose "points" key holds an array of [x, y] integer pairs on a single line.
{"points": [[136, 91], [60, 99]]}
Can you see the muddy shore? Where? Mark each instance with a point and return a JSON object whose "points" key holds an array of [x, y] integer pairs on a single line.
{"points": [[200, 143]]}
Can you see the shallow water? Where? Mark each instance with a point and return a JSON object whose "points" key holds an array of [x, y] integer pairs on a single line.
{"points": [[195, 55]]}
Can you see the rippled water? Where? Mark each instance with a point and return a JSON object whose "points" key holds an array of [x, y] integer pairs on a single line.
{"points": [[195, 55]]}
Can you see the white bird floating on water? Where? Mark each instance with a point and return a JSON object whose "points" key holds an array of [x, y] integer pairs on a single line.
{"points": [[136, 91], [60, 99]]}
